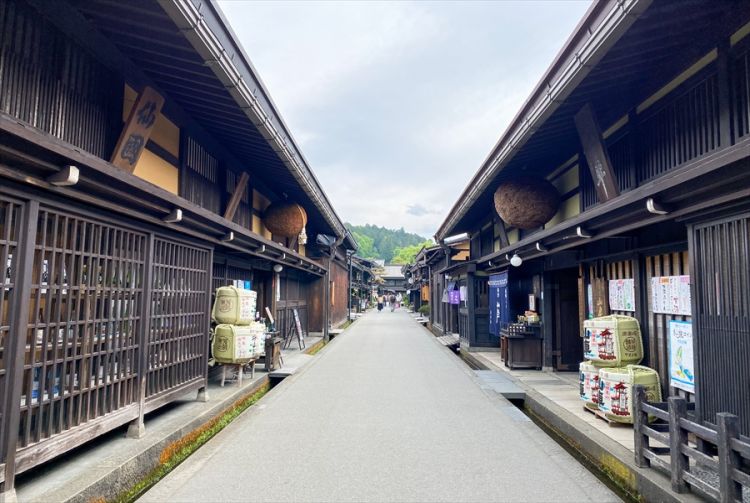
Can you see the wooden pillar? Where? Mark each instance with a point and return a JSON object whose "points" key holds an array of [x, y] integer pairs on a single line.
{"points": [[677, 438], [724, 92], [137, 428], [16, 347], [471, 308]]}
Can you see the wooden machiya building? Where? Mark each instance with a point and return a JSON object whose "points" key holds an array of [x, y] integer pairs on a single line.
{"points": [[140, 157], [623, 186]]}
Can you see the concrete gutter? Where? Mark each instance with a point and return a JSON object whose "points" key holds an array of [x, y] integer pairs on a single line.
{"points": [[609, 456], [117, 473]]}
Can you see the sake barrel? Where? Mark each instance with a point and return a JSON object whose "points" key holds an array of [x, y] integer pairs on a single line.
{"points": [[589, 384], [234, 306], [612, 341], [616, 390], [233, 344]]}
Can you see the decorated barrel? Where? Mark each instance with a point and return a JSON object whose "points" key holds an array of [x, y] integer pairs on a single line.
{"points": [[616, 390], [612, 341], [234, 344], [234, 306], [589, 384]]}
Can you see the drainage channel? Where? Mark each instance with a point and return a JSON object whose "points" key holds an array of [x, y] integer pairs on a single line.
{"points": [[569, 446]]}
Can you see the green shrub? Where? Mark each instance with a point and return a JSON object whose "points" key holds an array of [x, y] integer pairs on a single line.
{"points": [[424, 309]]}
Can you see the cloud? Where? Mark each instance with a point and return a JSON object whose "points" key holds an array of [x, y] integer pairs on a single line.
{"points": [[418, 210], [396, 104]]}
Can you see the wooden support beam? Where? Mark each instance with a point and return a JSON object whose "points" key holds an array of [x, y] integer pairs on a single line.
{"points": [[137, 129], [234, 201], [596, 154]]}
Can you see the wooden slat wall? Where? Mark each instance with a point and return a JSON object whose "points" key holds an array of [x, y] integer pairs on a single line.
{"points": [[671, 264], [721, 318], [741, 101], [201, 177], [684, 128], [49, 82]]}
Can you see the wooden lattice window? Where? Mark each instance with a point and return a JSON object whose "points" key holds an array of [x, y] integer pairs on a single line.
{"points": [[82, 348], [10, 214], [180, 297]]}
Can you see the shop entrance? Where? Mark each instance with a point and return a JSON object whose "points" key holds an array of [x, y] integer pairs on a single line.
{"points": [[567, 348]]}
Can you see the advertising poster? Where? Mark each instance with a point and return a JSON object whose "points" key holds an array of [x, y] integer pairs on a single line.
{"points": [[681, 369], [671, 295], [622, 295]]}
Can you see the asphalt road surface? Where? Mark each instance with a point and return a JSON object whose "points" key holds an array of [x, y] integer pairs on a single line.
{"points": [[384, 413]]}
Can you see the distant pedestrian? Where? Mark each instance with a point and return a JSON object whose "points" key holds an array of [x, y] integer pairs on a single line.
{"points": [[380, 303], [392, 300], [399, 298]]}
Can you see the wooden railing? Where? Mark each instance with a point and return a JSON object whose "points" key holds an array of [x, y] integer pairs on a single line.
{"points": [[714, 462]]}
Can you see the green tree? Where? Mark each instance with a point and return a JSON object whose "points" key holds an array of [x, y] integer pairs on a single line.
{"points": [[384, 241], [406, 254]]}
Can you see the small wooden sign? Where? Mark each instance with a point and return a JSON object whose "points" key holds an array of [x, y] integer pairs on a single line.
{"points": [[137, 129], [298, 328]]}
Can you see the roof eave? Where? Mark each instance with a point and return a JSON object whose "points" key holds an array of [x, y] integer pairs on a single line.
{"points": [[599, 29], [203, 27]]}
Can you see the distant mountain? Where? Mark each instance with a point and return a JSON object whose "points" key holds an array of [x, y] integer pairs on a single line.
{"points": [[381, 243]]}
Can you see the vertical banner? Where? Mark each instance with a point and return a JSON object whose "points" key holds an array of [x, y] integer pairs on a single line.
{"points": [[681, 364], [498, 300]]}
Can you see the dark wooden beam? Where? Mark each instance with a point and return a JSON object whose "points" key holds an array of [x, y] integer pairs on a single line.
{"points": [[502, 232], [234, 201], [596, 154], [137, 129]]}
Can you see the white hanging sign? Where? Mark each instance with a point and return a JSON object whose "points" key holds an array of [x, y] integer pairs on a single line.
{"points": [[671, 295]]}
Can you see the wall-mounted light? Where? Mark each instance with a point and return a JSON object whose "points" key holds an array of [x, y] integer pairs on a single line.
{"points": [[174, 216], [583, 233], [66, 177], [489, 263], [229, 236], [516, 260], [277, 268], [655, 208], [262, 249], [540, 247]]}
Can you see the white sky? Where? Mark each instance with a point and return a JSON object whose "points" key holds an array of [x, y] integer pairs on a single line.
{"points": [[396, 104]]}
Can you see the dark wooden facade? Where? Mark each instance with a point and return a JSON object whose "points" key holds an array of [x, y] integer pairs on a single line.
{"points": [[107, 279], [674, 134]]}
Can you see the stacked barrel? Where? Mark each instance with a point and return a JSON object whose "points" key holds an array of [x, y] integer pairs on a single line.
{"points": [[238, 338], [613, 348]]}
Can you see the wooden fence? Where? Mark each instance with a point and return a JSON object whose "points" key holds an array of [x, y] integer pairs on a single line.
{"points": [[711, 461]]}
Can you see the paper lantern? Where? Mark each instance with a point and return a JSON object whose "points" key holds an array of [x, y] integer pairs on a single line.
{"points": [[526, 202], [285, 219]]}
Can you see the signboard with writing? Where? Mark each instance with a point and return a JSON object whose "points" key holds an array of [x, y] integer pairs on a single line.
{"points": [[622, 295], [671, 295], [681, 363], [137, 129]]}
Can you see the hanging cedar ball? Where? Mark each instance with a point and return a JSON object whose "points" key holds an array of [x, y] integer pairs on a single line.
{"points": [[526, 202], [285, 219]]}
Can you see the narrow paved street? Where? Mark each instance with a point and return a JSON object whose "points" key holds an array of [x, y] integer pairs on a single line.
{"points": [[384, 414]]}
